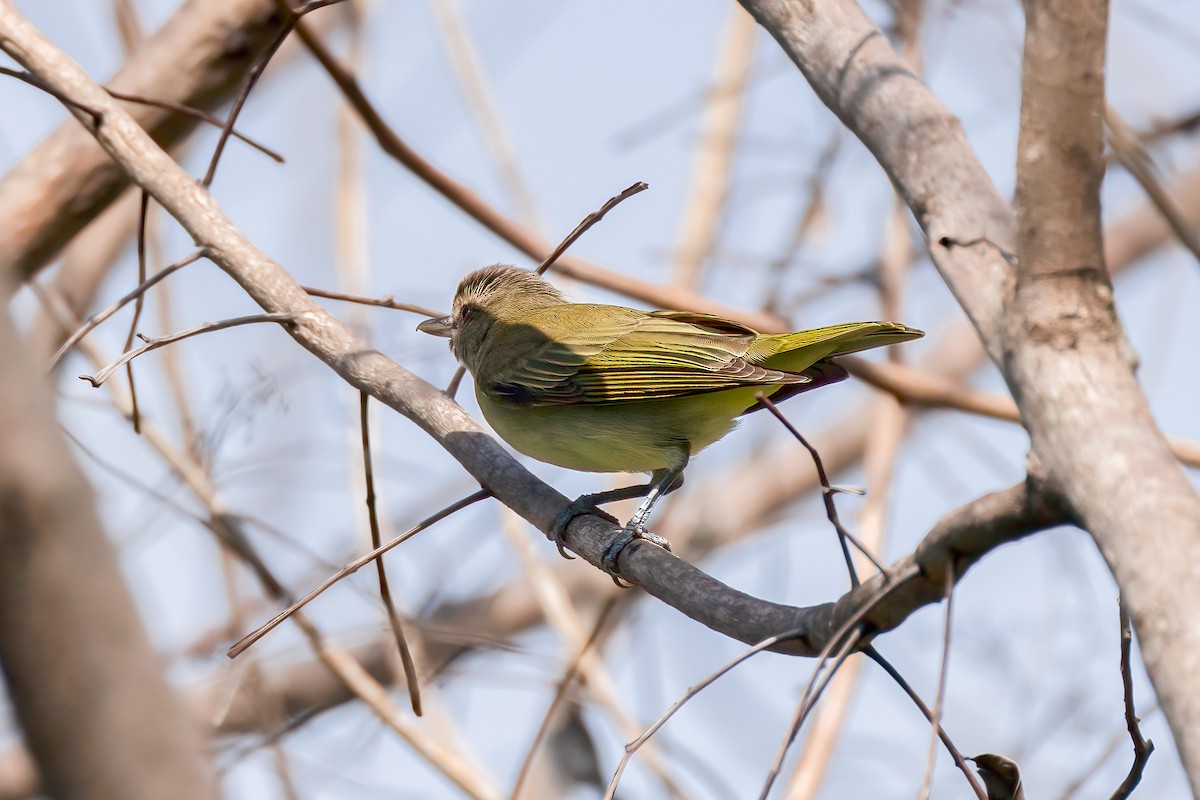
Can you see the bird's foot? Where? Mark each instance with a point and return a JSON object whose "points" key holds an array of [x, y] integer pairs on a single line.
{"points": [[631, 531], [584, 504]]}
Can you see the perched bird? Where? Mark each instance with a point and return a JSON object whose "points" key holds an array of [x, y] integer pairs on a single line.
{"points": [[603, 388]]}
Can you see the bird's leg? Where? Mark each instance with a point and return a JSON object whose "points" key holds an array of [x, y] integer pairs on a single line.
{"points": [[662, 482], [589, 504]]}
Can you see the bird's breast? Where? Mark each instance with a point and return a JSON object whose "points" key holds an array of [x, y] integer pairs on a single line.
{"points": [[617, 437]]}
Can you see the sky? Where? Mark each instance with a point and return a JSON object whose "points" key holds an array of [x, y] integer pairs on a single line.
{"points": [[593, 97]]}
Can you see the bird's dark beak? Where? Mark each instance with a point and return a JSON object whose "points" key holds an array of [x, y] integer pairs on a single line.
{"points": [[438, 326]]}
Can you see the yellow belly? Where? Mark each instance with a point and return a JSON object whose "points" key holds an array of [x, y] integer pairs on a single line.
{"points": [[630, 437]]}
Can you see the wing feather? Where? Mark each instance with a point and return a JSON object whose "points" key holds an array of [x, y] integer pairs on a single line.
{"points": [[608, 354]]}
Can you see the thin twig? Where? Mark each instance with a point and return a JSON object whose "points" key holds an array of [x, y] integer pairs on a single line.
{"points": [[313, 5], [1134, 157], [37, 83], [827, 493], [1101, 758], [252, 77], [154, 343], [560, 693], [97, 319], [143, 211], [240, 646], [385, 591], [516, 235], [851, 623], [572, 237], [472, 78], [808, 701], [692, 691], [382, 302], [1142, 747], [588, 222], [955, 753], [940, 697], [195, 113]]}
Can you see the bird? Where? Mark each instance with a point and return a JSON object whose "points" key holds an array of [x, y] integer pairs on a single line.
{"points": [[1001, 776], [605, 388]]}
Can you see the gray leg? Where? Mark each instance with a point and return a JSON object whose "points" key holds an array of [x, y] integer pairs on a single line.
{"points": [[662, 482], [589, 504]]}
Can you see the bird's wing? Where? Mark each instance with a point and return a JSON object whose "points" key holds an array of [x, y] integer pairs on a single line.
{"points": [[604, 357]]}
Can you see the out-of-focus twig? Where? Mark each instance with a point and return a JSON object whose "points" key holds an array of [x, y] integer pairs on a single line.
{"points": [[716, 150], [1134, 157]]}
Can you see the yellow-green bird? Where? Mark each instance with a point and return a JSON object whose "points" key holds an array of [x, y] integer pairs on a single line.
{"points": [[603, 388]]}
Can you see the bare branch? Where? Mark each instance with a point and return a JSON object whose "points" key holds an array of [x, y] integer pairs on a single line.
{"points": [[97, 380], [385, 591], [245, 642], [588, 222], [1142, 747], [96, 319], [45, 205]]}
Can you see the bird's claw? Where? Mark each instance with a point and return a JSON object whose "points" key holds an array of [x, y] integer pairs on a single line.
{"points": [[627, 535], [585, 504]]}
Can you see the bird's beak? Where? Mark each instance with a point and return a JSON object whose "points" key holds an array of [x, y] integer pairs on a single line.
{"points": [[438, 326]]}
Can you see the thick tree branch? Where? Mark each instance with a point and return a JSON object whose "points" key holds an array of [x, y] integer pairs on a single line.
{"points": [[1070, 368], [197, 59]]}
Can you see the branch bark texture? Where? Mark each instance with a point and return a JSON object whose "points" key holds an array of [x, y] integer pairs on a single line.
{"points": [[198, 58], [1072, 372]]}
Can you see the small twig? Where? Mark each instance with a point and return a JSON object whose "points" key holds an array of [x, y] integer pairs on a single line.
{"points": [[242, 644], [195, 113], [692, 691], [940, 697], [154, 343], [1101, 758], [955, 753], [1142, 747], [382, 302], [38, 83], [827, 493], [456, 381], [580, 229], [385, 591], [143, 211], [850, 624], [313, 5], [564, 684], [95, 320], [589, 221], [252, 77], [808, 701], [1134, 157]]}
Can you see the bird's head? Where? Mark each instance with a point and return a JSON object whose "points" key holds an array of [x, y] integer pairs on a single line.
{"points": [[499, 292]]}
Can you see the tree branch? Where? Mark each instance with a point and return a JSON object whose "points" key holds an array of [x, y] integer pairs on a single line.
{"points": [[44, 203], [1071, 371]]}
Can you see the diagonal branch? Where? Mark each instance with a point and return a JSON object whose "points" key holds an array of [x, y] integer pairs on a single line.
{"points": [[44, 205]]}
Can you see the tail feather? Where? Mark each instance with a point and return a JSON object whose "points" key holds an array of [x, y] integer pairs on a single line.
{"points": [[796, 352]]}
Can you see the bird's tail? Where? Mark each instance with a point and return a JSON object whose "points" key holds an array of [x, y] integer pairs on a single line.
{"points": [[796, 352]]}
